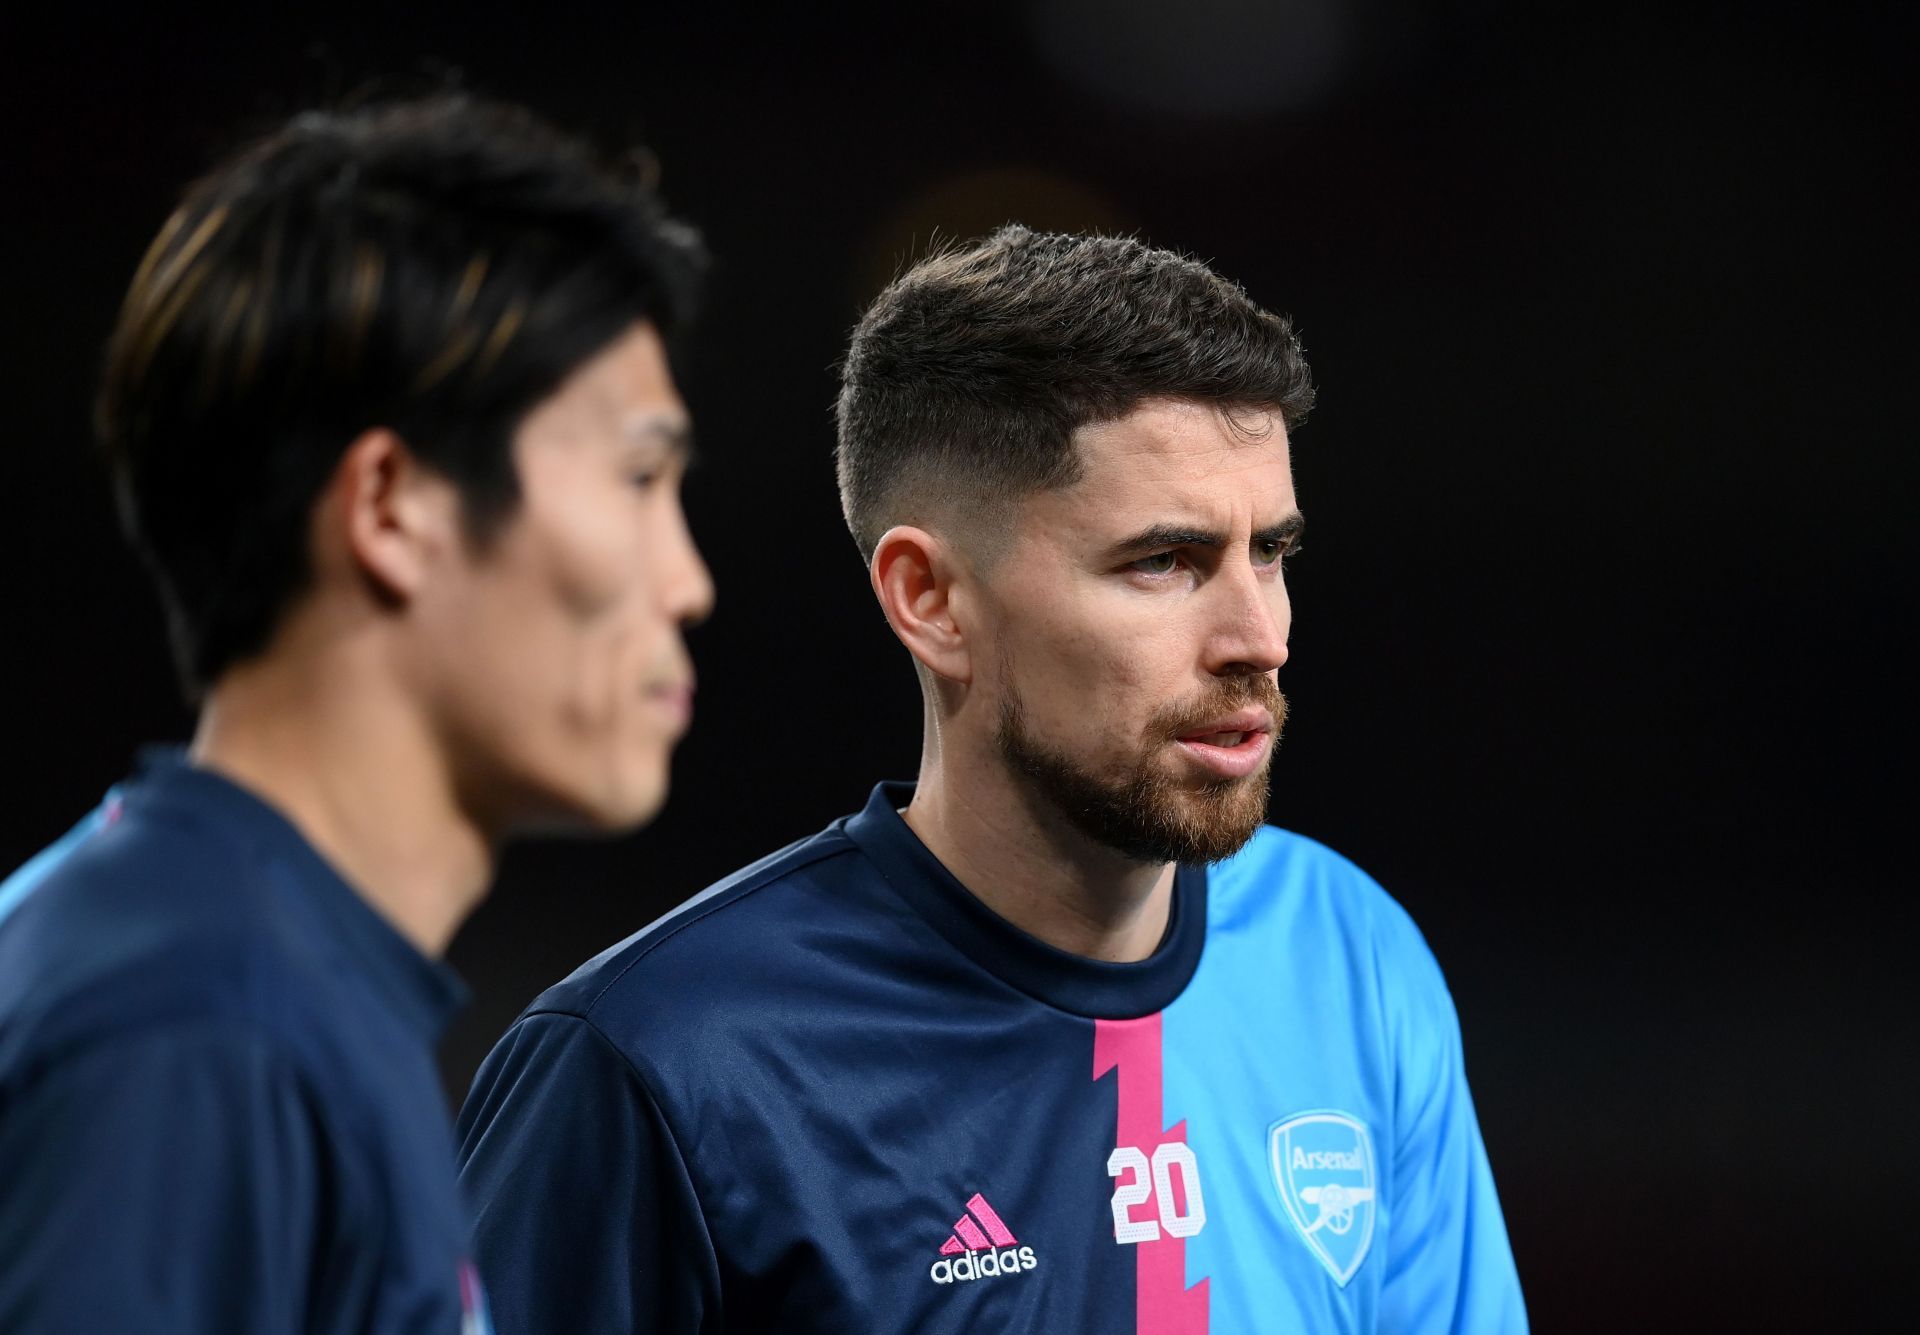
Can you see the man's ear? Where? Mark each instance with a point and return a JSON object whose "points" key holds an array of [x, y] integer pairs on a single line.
{"points": [[386, 516], [919, 580]]}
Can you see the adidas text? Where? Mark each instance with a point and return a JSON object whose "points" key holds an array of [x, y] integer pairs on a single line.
{"points": [[983, 1264]]}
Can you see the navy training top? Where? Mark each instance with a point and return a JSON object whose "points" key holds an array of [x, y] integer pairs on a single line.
{"points": [[838, 1093], [219, 1110]]}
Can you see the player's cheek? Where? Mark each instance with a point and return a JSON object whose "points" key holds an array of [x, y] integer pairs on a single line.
{"points": [[586, 681], [637, 725]]}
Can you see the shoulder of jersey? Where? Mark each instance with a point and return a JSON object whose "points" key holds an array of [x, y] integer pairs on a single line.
{"points": [[736, 929], [138, 926], [1281, 875]]}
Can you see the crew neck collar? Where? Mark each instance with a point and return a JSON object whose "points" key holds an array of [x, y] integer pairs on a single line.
{"points": [[1069, 982]]}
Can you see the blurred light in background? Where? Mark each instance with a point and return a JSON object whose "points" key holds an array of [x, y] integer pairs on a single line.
{"points": [[1198, 58]]}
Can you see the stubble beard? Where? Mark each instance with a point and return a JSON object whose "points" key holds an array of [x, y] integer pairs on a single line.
{"points": [[1140, 811]]}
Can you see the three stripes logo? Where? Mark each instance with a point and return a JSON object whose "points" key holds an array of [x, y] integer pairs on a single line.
{"points": [[981, 1246]]}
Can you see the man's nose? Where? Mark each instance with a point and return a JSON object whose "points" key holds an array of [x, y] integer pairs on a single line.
{"points": [[1255, 618], [689, 584]]}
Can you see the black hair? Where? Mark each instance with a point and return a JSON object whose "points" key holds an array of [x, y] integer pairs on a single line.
{"points": [[968, 376], [436, 266]]}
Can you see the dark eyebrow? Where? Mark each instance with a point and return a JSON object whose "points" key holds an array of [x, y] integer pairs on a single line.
{"points": [[1287, 530], [1165, 535], [675, 433], [1160, 536]]}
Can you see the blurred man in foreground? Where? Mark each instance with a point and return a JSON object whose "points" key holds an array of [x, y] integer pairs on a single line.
{"points": [[390, 417], [1061, 1038]]}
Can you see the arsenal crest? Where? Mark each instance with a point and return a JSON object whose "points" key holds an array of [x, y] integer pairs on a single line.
{"points": [[1323, 1169]]}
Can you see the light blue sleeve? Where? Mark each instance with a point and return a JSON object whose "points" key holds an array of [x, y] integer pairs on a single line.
{"points": [[1449, 1265]]}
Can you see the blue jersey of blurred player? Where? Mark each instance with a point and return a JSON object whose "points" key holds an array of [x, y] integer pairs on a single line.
{"points": [[390, 417], [1061, 1038]]}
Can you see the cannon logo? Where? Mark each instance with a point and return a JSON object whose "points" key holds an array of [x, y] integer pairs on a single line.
{"points": [[1323, 1169], [981, 1246]]}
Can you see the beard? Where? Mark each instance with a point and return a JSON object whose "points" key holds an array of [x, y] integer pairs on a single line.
{"points": [[1137, 809]]}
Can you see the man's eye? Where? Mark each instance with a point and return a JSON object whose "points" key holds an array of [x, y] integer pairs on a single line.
{"points": [[644, 481], [1268, 550], [1160, 563]]}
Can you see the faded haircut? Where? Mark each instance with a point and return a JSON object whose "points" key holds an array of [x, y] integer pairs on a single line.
{"points": [[969, 374]]}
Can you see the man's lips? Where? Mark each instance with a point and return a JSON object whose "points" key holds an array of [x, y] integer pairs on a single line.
{"points": [[1229, 730], [674, 698], [1231, 746]]}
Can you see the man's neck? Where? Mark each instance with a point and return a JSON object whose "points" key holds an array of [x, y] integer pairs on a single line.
{"points": [[1023, 861], [341, 756]]}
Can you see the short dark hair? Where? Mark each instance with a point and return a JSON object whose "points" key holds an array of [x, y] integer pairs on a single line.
{"points": [[437, 266], [968, 376]]}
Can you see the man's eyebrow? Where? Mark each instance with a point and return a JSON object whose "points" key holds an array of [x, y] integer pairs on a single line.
{"points": [[1158, 536], [1287, 530], [675, 433]]}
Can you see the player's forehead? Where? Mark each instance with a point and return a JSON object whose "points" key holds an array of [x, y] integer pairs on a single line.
{"points": [[622, 397], [1177, 461]]}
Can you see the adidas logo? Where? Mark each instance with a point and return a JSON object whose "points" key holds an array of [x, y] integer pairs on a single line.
{"points": [[981, 1245]]}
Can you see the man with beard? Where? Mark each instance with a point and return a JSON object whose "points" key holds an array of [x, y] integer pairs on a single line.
{"points": [[1059, 1038]]}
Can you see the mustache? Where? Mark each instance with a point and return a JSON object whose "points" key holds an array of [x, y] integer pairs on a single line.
{"points": [[1227, 695]]}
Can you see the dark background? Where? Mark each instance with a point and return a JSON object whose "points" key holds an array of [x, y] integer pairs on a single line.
{"points": [[1595, 654]]}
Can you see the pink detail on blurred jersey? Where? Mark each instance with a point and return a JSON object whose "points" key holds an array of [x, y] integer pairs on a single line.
{"points": [[474, 1318], [1163, 1302]]}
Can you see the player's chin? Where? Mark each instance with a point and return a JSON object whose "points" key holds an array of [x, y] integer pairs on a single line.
{"points": [[1221, 826], [629, 793], [1201, 782], [1233, 800], [640, 799]]}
